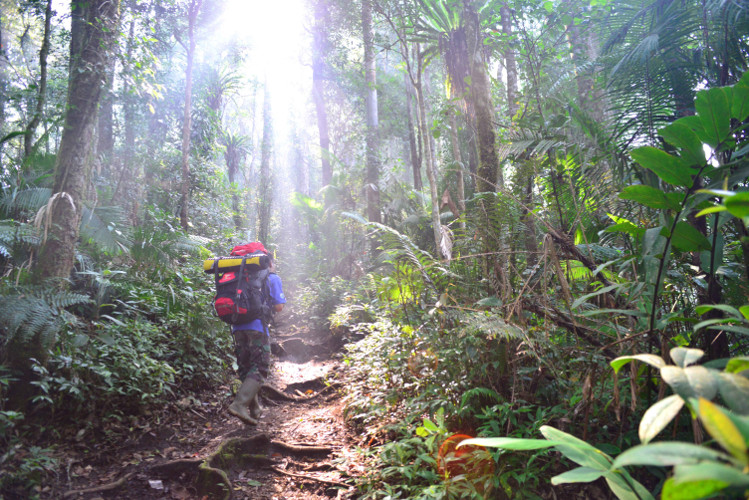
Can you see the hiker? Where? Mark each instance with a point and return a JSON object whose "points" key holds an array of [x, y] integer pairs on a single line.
{"points": [[252, 348]]}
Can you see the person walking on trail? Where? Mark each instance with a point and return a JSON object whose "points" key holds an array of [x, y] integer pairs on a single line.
{"points": [[252, 348]]}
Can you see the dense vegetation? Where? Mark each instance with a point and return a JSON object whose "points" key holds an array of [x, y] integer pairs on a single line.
{"points": [[576, 262]]}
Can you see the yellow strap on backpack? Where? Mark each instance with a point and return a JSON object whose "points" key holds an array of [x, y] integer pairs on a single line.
{"points": [[229, 263]]}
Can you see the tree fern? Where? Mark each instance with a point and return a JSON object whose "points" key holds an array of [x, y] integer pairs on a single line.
{"points": [[26, 312]]}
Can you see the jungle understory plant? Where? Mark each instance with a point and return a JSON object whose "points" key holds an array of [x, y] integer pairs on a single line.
{"points": [[721, 465]]}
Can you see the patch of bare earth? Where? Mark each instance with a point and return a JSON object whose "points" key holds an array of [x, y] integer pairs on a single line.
{"points": [[199, 451]]}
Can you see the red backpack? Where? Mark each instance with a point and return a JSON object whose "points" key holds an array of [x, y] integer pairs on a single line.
{"points": [[241, 295]]}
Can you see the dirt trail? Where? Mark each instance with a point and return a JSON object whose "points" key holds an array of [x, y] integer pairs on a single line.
{"points": [[294, 453]]}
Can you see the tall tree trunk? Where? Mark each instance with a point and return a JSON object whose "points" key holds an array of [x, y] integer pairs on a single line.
{"points": [[265, 191], [93, 37], [370, 74], [415, 160], [192, 16], [128, 152], [455, 140], [28, 139], [480, 95], [89, 68], [105, 124], [510, 64], [427, 149], [3, 79], [319, 74]]}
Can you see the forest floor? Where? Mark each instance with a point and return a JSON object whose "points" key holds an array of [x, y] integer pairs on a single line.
{"points": [[300, 449]]}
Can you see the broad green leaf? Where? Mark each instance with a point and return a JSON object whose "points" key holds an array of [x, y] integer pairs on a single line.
{"points": [[658, 416], [738, 204], [711, 210], [666, 453], [625, 312], [710, 471], [739, 364], [668, 168], [731, 328], [578, 475], [651, 197], [430, 426], [695, 123], [722, 429], [682, 136], [712, 108], [734, 389], [603, 290], [744, 311], [625, 227], [742, 424], [702, 309], [684, 356], [628, 489], [651, 359], [693, 490], [740, 101], [577, 450], [688, 238], [692, 381], [506, 443]]}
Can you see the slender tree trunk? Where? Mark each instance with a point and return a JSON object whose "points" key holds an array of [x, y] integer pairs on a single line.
{"points": [[3, 79], [28, 139], [455, 140], [105, 124], [427, 149], [265, 192], [128, 152], [510, 64], [192, 16], [415, 160], [370, 72], [319, 74]]}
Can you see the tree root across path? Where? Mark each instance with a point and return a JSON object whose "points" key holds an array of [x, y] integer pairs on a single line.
{"points": [[274, 394], [100, 489], [211, 475]]}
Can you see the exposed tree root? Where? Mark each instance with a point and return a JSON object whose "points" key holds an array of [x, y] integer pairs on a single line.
{"points": [[311, 478], [270, 392], [98, 489], [303, 449]]}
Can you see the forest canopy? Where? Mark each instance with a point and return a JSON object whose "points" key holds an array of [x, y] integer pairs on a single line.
{"points": [[524, 223]]}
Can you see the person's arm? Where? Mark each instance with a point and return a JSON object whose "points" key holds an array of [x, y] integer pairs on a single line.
{"points": [[278, 308]]}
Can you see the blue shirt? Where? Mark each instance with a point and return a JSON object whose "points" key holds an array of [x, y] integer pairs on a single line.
{"points": [[276, 297]]}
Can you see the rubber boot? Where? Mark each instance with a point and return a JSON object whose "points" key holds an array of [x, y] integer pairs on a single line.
{"points": [[245, 394], [255, 409]]}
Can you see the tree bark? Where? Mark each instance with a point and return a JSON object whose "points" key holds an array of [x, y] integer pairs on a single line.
{"points": [[370, 76], [415, 160], [455, 140], [510, 63], [265, 194], [427, 149], [192, 16], [480, 96], [28, 139], [319, 74], [97, 31]]}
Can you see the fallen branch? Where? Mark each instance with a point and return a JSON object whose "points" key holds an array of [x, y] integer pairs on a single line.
{"points": [[98, 489], [312, 478]]}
